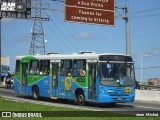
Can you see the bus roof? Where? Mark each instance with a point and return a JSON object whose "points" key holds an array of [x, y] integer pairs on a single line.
{"points": [[90, 56]]}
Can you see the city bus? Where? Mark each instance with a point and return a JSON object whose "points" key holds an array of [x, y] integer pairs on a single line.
{"points": [[84, 76], [4, 71]]}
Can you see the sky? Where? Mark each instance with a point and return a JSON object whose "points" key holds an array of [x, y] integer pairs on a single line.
{"points": [[67, 38]]}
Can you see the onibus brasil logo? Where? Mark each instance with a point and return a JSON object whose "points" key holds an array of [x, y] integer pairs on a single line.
{"points": [[21, 114]]}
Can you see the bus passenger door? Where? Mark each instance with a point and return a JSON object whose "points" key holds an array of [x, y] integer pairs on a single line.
{"points": [[54, 81], [24, 77], [92, 81]]}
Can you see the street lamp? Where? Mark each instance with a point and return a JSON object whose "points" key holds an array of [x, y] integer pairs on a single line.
{"points": [[141, 66]]}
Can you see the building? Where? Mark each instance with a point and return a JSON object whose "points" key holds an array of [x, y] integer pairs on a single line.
{"points": [[153, 81]]}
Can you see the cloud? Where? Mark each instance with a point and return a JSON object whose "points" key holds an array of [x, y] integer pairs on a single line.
{"points": [[90, 36], [21, 39], [136, 36], [83, 36], [156, 53], [7, 20], [153, 53]]}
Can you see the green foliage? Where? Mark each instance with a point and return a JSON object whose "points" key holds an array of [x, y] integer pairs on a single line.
{"points": [[7, 105]]}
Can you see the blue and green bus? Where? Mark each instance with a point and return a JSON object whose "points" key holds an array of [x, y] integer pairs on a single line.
{"points": [[85, 76], [4, 71]]}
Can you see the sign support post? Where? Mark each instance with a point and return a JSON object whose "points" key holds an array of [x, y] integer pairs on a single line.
{"points": [[127, 19]]}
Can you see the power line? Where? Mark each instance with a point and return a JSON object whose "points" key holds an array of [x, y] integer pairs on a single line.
{"points": [[74, 30], [71, 45], [71, 31], [149, 67], [146, 16], [81, 44], [143, 11], [59, 28], [57, 0], [55, 43], [121, 1], [72, 35]]}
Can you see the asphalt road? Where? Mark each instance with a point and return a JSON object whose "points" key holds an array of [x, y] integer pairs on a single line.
{"points": [[126, 107]]}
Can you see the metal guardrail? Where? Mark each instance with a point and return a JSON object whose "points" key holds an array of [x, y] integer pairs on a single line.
{"points": [[150, 87]]}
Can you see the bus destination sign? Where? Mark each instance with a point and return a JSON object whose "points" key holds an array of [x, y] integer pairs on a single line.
{"points": [[90, 11], [115, 58]]}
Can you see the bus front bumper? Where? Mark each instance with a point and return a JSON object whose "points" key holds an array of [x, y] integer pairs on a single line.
{"points": [[103, 98]]}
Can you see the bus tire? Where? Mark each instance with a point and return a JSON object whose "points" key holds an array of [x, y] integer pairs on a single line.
{"points": [[80, 98], [35, 93], [111, 104]]}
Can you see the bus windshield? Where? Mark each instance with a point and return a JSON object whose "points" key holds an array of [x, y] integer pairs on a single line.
{"points": [[117, 74]]}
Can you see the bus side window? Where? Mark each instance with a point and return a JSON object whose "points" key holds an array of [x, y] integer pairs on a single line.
{"points": [[79, 68], [44, 67], [34, 67], [66, 67], [17, 67]]}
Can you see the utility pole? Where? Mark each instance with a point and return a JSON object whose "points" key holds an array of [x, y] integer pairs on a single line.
{"points": [[127, 20], [126, 17], [38, 43]]}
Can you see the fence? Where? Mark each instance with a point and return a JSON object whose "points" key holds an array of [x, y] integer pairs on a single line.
{"points": [[150, 87]]}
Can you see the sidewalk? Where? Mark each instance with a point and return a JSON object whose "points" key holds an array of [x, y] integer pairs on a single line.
{"points": [[2, 86], [2, 83], [151, 102]]}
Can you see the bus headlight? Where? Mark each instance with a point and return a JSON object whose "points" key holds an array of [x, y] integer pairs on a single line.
{"points": [[103, 91]]}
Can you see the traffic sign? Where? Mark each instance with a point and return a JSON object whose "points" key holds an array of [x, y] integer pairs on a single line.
{"points": [[90, 11], [95, 4]]}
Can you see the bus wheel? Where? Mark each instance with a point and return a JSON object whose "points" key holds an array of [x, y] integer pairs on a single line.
{"points": [[111, 104], [80, 98], [35, 93]]}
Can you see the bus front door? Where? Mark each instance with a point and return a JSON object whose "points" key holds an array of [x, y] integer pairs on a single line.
{"points": [[24, 77], [92, 81], [54, 81]]}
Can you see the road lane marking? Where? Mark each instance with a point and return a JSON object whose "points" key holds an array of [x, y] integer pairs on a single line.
{"points": [[148, 107]]}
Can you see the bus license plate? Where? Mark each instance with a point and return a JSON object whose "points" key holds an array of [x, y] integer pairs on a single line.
{"points": [[119, 98]]}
